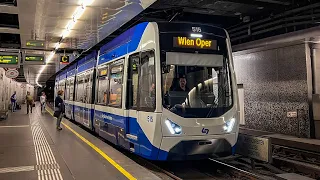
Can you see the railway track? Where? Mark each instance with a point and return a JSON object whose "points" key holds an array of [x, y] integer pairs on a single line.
{"points": [[295, 160]]}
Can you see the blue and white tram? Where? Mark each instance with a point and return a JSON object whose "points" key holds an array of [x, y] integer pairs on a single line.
{"points": [[69, 91], [84, 91], [165, 91]]}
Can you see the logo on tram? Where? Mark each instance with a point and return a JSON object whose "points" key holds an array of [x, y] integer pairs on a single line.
{"points": [[205, 130]]}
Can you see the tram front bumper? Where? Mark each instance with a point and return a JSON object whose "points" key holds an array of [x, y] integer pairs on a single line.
{"points": [[196, 147]]}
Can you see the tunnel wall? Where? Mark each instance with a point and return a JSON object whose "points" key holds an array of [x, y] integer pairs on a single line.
{"points": [[275, 83]]}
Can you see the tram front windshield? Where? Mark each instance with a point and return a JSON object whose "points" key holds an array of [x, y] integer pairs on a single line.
{"points": [[196, 85]]}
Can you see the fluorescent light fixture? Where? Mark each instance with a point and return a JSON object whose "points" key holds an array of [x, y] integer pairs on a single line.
{"points": [[48, 59], [78, 13], [86, 2], [196, 35], [65, 33], [57, 46], [70, 25]]}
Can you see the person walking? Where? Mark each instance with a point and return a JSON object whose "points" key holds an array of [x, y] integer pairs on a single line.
{"points": [[13, 101], [59, 109], [30, 102], [43, 99]]}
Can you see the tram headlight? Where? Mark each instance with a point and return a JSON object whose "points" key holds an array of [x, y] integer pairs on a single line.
{"points": [[228, 127], [173, 127]]}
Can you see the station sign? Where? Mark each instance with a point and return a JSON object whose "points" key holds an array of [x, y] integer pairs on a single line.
{"points": [[195, 43], [9, 60], [64, 59], [35, 59], [35, 43]]}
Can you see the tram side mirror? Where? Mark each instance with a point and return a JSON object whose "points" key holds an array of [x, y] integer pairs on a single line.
{"points": [[166, 68]]}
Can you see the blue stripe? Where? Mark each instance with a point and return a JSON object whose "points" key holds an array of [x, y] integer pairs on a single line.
{"points": [[123, 44], [131, 126], [63, 75], [86, 66], [84, 60], [72, 70]]}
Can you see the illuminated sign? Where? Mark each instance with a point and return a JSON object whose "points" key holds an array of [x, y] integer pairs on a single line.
{"points": [[9, 59], [34, 58], [196, 43], [103, 72], [64, 60], [35, 43]]}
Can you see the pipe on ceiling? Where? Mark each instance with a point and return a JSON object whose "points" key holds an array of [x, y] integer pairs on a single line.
{"points": [[284, 38]]}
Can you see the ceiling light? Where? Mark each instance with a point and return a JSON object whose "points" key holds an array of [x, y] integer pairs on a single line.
{"points": [[78, 13], [57, 46], [70, 25], [86, 2]]}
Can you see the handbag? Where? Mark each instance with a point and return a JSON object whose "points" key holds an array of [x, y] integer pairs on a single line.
{"points": [[56, 114]]}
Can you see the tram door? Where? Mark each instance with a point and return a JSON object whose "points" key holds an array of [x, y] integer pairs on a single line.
{"points": [[132, 101], [87, 110], [141, 97], [79, 100]]}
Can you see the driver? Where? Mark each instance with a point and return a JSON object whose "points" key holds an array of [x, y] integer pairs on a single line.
{"points": [[182, 85]]}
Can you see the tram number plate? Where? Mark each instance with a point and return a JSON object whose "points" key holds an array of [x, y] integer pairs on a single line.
{"points": [[254, 147]]}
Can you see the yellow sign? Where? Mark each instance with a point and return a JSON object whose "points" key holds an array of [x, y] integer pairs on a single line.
{"points": [[196, 43], [64, 59], [103, 72]]}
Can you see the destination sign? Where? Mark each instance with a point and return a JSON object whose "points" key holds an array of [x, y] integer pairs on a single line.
{"points": [[9, 59], [196, 43], [34, 58], [35, 43]]}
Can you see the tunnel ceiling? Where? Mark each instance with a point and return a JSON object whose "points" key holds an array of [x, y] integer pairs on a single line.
{"points": [[246, 20]]}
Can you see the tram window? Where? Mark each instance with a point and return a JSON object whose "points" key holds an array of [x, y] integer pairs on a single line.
{"points": [[115, 92], [88, 88], [67, 90], [133, 69], [147, 90], [80, 88], [103, 86], [71, 89]]}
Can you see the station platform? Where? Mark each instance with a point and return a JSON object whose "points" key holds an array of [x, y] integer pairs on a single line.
{"points": [[32, 149], [311, 145]]}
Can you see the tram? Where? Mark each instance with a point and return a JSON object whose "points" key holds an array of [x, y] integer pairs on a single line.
{"points": [[165, 91]]}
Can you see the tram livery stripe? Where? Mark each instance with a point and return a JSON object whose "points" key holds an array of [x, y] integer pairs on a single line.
{"points": [[99, 151]]}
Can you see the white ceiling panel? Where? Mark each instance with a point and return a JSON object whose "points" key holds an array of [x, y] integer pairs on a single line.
{"points": [[47, 20]]}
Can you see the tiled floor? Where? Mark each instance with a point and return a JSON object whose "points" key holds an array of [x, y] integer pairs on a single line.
{"points": [[32, 149]]}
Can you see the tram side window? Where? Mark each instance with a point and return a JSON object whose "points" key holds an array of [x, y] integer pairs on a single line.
{"points": [[115, 93], [103, 86], [88, 88], [147, 90], [80, 89], [67, 90], [71, 89]]}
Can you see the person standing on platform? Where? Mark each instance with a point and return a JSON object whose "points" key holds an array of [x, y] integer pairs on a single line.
{"points": [[43, 99], [13, 101], [59, 109], [30, 102]]}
